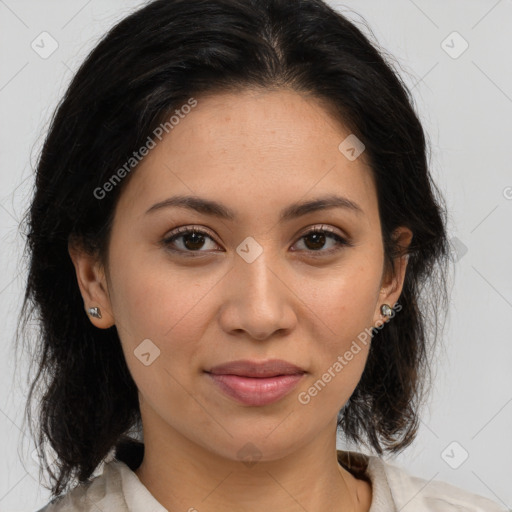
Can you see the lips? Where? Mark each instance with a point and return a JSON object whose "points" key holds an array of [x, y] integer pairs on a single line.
{"points": [[262, 369], [256, 383]]}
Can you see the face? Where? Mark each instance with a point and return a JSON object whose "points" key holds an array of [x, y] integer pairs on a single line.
{"points": [[255, 286]]}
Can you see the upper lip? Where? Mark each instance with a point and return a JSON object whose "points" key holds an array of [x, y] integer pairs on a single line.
{"points": [[247, 368]]}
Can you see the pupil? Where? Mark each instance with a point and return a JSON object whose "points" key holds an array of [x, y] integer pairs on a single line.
{"points": [[320, 239], [199, 240]]}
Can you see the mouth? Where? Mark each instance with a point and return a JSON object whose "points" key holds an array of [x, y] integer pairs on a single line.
{"points": [[256, 391], [256, 383], [262, 369]]}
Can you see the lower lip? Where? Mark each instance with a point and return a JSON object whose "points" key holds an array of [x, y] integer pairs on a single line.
{"points": [[256, 391]]}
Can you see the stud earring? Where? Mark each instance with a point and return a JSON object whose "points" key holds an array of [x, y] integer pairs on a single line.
{"points": [[386, 310], [94, 312]]}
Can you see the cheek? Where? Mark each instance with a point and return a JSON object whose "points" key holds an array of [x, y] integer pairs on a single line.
{"points": [[344, 308], [344, 301], [157, 301], [159, 316], [153, 296]]}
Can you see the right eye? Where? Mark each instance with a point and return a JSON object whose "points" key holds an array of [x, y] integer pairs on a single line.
{"points": [[191, 240]]}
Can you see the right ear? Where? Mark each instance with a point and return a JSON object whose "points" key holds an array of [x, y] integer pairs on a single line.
{"points": [[92, 283]]}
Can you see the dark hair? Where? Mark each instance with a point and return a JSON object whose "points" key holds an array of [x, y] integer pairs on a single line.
{"points": [[145, 67]]}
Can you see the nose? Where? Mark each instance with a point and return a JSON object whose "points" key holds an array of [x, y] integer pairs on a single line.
{"points": [[258, 299]]}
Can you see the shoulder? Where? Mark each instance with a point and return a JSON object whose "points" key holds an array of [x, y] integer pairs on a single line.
{"points": [[421, 495], [103, 492]]}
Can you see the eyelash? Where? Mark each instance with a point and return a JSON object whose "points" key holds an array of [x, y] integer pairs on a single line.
{"points": [[180, 232]]}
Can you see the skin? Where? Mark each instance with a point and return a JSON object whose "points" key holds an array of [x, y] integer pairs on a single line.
{"points": [[255, 152]]}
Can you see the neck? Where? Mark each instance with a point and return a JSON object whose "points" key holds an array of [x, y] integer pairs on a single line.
{"points": [[182, 475]]}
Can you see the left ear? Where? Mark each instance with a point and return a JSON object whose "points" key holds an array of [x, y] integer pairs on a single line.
{"points": [[392, 282]]}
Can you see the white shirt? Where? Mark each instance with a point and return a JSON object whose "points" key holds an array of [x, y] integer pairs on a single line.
{"points": [[119, 489]]}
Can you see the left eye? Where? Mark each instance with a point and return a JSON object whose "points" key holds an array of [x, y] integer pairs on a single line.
{"points": [[193, 239], [317, 237]]}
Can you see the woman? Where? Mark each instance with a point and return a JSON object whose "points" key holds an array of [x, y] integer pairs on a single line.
{"points": [[232, 224]]}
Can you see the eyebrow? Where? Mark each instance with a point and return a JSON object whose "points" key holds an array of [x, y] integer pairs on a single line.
{"points": [[295, 210]]}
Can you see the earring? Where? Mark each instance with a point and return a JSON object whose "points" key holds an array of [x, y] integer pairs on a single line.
{"points": [[94, 312], [386, 310]]}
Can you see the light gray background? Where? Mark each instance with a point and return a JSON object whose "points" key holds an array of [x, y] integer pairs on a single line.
{"points": [[466, 106]]}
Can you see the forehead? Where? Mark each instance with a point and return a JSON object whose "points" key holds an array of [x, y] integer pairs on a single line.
{"points": [[260, 148]]}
